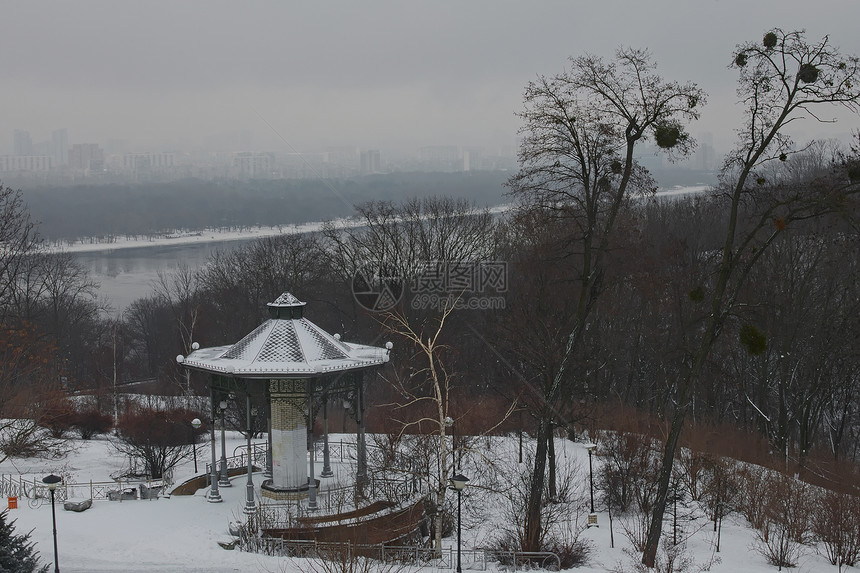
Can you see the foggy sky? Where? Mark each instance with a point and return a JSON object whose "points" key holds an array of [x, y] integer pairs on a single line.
{"points": [[165, 75]]}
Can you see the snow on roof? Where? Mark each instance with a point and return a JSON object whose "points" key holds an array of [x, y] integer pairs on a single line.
{"points": [[286, 347]]}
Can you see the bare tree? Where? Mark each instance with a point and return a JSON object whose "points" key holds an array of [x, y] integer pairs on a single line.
{"points": [[179, 292], [428, 385], [783, 78], [577, 163], [19, 239]]}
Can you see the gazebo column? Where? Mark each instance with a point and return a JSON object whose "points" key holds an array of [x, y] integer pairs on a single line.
{"points": [[214, 496], [289, 441], [326, 471], [312, 482], [268, 473], [250, 506], [361, 445]]}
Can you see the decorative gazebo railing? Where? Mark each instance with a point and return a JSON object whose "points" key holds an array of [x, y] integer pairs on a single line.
{"points": [[340, 451], [337, 500]]}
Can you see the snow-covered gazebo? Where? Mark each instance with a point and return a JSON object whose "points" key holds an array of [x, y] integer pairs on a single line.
{"points": [[292, 360]]}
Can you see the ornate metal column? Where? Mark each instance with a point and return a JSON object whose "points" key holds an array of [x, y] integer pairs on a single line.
{"points": [[250, 506], [224, 480], [268, 472], [214, 495], [312, 482], [361, 445], [326, 471]]}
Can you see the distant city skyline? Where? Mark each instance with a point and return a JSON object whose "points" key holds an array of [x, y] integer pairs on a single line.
{"points": [[382, 75]]}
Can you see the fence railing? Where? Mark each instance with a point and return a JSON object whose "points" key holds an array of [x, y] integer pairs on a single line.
{"points": [[34, 489], [339, 451], [445, 558], [284, 514]]}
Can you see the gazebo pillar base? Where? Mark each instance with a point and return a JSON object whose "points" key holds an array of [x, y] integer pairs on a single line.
{"points": [[269, 491]]}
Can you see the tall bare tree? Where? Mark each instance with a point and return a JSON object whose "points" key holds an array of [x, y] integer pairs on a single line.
{"points": [[783, 78], [427, 388], [581, 128]]}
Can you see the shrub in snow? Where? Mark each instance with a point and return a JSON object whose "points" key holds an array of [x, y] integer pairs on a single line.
{"points": [[348, 558], [628, 475], [159, 439], [57, 415], [17, 552], [836, 523], [90, 422], [562, 516], [783, 537], [752, 496], [23, 438], [720, 489], [672, 558]]}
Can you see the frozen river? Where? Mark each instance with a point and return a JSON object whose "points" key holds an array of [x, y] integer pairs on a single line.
{"points": [[127, 274]]}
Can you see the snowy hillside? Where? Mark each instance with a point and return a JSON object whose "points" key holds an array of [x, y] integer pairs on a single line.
{"points": [[180, 533]]}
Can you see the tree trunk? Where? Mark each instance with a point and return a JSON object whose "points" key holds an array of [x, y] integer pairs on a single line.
{"points": [[656, 528], [532, 526], [551, 460]]}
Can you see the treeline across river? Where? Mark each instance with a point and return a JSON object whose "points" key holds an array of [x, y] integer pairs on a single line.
{"points": [[105, 211]]}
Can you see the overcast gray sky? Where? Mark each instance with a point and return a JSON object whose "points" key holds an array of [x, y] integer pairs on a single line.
{"points": [[373, 74]]}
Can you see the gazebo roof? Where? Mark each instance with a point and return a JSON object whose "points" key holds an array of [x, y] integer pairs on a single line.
{"points": [[286, 345]]}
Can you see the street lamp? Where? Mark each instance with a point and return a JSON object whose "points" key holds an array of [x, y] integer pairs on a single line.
{"points": [[459, 482], [51, 482], [592, 517], [195, 423], [249, 486], [224, 480]]}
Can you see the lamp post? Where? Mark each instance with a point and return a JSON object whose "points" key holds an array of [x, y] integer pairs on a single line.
{"points": [[250, 507], [51, 482], [195, 423], [592, 517], [459, 482], [224, 479]]}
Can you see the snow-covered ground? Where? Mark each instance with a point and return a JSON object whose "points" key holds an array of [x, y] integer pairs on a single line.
{"points": [[180, 533]]}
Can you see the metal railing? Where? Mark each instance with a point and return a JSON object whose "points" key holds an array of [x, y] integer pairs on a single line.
{"points": [[339, 451], [240, 460], [284, 514], [33, 489], [445, 558]]}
